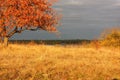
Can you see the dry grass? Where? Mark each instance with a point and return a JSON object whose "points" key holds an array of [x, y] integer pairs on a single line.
{"points": [[73, 62]]}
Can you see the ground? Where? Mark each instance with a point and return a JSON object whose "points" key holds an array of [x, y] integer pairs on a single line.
{"points": [[58, 62]]}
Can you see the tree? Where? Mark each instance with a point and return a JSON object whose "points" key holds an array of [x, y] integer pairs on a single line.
{"points": [[19, 15], [111, 38]]}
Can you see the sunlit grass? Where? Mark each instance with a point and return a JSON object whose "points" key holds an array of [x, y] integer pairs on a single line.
{"points": [[70, 62]]}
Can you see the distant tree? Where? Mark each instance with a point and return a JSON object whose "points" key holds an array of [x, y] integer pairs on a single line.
{"points": [[19, 15], [111, 38]]}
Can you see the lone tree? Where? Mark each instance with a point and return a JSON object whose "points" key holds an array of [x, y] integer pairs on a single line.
{"points": [[19, 15]]}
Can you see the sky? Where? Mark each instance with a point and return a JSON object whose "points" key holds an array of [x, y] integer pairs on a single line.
{"points": [[81, 19]]}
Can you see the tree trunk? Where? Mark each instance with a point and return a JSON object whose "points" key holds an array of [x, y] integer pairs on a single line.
{"points": [[5, 41], [0, 40]]}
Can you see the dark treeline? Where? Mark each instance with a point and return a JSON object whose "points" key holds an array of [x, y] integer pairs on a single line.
{"points": [[50, 42]]}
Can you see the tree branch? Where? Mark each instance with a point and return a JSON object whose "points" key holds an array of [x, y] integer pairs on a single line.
{"points": [[20, 30], [12, 33]]}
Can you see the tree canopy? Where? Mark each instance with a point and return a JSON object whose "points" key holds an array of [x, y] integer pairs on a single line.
{"points": [[19, 15]]}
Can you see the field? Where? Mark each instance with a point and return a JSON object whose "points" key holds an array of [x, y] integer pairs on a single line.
{"points": [[59, 62]]}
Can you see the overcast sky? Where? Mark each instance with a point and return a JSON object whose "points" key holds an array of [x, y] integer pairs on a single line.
{"points": [[82, 19]]}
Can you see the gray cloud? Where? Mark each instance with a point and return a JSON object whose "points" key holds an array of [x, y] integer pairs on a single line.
{"points": [[69, 2]]}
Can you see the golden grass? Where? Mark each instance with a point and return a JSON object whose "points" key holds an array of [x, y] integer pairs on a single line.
{"points": [[55, 62]]}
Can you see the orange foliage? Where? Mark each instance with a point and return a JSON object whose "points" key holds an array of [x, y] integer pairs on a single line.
{"points": [[19, 15]]}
